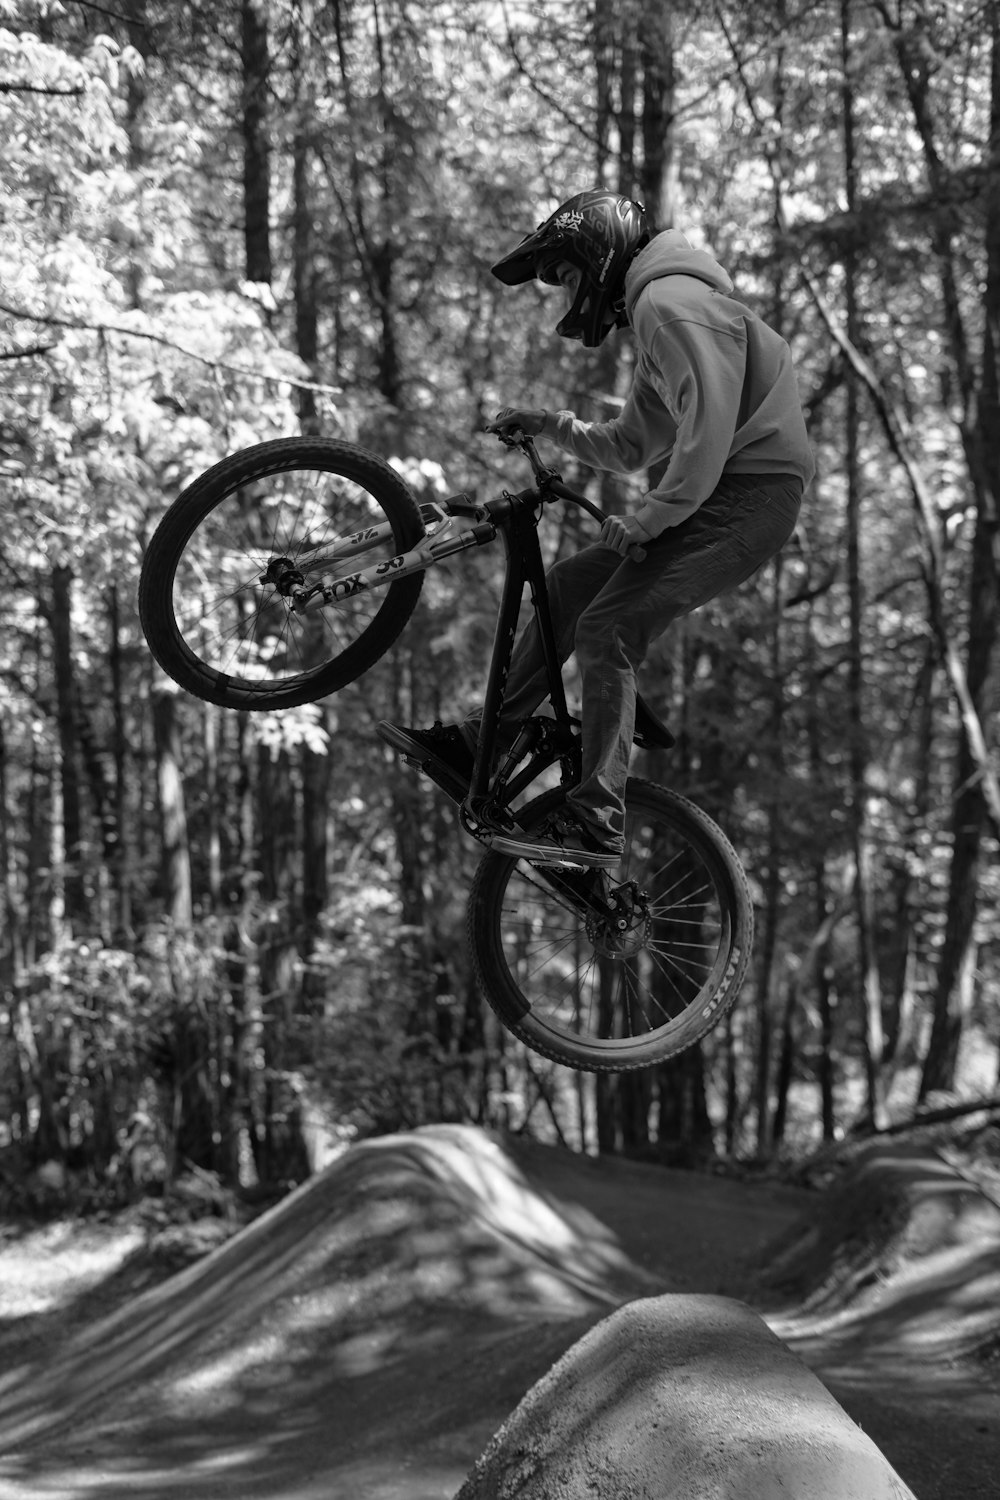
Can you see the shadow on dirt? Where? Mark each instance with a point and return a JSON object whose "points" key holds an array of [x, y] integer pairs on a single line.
{"points": [[900, 1260], [387, 1296], [364, 1339]]}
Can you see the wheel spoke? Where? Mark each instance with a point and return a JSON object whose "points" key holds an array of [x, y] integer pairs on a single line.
{"points": [[244, 629], [615, 986]]}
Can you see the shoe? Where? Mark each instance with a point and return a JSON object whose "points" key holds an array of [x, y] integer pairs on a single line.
{"points": [[441, 752], [561, 840]]}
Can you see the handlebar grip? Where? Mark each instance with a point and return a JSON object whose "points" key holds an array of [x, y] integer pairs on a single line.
{"points": [[637, 553]]}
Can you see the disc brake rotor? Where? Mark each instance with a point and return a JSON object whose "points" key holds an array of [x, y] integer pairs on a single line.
{"points": [[624, 928]]}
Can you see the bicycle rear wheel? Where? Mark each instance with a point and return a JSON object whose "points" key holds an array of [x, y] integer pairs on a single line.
{"points": [[210, 591], [612, 992]]}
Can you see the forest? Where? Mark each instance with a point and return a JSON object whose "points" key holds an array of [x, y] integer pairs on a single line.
{"points": [[228, 940]]}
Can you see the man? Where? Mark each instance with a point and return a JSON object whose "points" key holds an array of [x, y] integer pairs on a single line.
{"points": [[714, 395]]}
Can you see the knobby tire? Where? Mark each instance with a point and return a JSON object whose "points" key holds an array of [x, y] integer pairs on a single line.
{"points": [[546, 976], [206, 556]]}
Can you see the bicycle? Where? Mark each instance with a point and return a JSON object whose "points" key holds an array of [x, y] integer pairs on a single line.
{"points": [[287, 570]]}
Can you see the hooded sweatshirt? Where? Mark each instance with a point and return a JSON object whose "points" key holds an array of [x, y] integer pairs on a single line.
{"points": [[714, 390]]}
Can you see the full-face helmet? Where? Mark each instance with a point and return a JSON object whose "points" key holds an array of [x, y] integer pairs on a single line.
{"points": [[597, 232]]}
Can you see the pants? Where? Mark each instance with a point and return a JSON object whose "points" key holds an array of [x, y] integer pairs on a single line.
{"points": [[610, 610]]}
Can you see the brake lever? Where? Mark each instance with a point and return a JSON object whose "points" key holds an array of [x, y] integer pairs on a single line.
{"points": [[515, 437]]}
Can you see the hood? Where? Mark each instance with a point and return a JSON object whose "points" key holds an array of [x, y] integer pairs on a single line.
{"points": [[670, 254]]}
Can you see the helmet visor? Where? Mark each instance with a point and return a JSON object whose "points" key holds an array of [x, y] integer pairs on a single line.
{"points": [[520, 264]]}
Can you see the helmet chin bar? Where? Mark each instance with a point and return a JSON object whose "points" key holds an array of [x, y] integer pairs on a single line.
{"points": [[579, 322]]}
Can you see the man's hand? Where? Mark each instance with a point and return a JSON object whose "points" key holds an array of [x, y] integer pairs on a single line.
{"points": [[529, 421], [626, 535]]}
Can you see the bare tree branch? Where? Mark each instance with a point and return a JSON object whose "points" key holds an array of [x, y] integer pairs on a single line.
{"points": [[30, 353], [50, 320], [115, 15], [536, 87], [33, 88]]}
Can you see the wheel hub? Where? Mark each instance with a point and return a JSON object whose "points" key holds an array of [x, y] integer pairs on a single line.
{"points": [[622, 929], [283, 575]]}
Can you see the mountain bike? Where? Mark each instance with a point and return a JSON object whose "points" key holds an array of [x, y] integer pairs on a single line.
{"points": [[287, 570]]}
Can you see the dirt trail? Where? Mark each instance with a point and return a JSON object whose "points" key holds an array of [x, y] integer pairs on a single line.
{"points": [[364, 1339]]}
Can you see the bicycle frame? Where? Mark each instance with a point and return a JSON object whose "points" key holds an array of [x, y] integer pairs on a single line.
{"points": [[540, 741], [487, 797], [487, 805], [513, 518]]}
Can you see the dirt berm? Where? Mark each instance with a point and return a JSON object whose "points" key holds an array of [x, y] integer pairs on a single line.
{"points": [[366, 1338]]}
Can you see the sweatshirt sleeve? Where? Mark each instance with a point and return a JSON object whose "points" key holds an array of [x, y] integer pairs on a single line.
{"points": [[683, 407], [643, 434], [700, 374]]}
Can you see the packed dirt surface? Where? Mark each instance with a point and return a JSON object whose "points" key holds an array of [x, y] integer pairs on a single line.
{"points": [[365, 1338], [681, 1397]]}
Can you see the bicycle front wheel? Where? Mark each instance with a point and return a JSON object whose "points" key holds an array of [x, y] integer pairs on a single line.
{"points": [[610, 974], [214, 593]]}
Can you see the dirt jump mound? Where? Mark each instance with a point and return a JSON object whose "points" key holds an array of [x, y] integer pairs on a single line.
{"points": [[897, 1261], [681, 1398]]}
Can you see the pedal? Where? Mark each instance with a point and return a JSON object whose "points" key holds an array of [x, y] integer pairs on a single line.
{"points": [[545, 860], [566, 862]]}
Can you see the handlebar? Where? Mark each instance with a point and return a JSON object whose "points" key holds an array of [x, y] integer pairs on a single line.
{"points": [[549, 479]]}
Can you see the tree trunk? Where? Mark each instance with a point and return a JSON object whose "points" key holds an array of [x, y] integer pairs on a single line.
{"points": [[316, 778], [215, 813], [10, 914], [647, 44], [972, 810], [303, 246], [136, 85], [871, 998], [627, 176], [604, 47], [102, 802], [256, 62], [785, 1069], [825, 1065], [900, 1001], [71, 836], [658, 82], [963, 896], [683, 1127], [276, 821], [773, 871], [173, 813], [304, 280], [40, 784], [123, 841]]}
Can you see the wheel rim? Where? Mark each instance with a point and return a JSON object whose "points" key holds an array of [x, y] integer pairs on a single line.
{"points": [[265, 532], [584, 982]]}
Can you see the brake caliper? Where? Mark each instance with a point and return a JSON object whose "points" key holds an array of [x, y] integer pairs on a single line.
{"points": [[619, 925]]}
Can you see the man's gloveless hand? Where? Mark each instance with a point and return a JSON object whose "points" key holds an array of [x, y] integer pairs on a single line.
{"points": [[529, 420], [626, 535]]}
